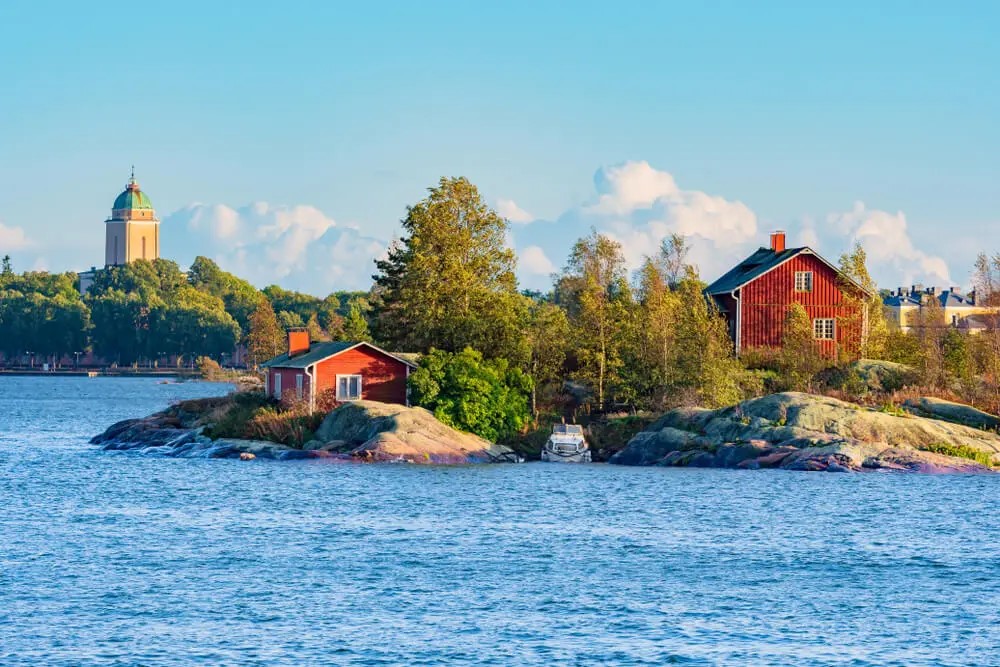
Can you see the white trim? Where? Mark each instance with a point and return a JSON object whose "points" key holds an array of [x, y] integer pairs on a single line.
{"points": [[738, 338], [409, 364], [300, 383], [821, 322], [311, 374], [267, 375], [361, 391]]}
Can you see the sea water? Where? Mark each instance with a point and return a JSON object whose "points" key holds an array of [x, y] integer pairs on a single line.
{"points": [[120, 558]]}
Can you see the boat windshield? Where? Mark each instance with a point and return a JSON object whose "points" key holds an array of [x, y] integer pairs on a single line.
{"points": [[569, 429]]}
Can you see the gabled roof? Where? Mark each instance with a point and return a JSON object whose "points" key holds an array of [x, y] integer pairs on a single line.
{"points": [[759, 263], [754, 266], [321, 351]]}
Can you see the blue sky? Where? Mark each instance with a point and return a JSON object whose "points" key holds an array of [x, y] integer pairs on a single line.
{"points": [[350, 110]]}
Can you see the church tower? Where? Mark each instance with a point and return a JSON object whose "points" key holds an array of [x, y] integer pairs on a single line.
{"points": [[133, 230]]}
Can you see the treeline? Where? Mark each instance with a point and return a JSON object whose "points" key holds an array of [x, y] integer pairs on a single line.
{"points": [[603, 339], [151, 310]]}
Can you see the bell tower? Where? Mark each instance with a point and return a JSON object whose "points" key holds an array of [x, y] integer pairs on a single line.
{"points": [[133, 230]]}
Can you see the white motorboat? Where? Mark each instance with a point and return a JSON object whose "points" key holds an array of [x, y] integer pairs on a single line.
{"points": [[566, 445]]}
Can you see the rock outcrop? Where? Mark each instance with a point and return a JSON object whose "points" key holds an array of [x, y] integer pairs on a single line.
{"points": [[385, 432], [363, 431], [799, 431]]}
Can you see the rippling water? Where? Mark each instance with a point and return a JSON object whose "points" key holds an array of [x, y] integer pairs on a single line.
{"points": [[119, 558]]}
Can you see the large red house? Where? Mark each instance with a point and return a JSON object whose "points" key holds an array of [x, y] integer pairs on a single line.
{"points": [[756, 293], [347, 371]]}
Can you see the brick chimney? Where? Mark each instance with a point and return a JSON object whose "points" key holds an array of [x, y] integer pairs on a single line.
{"points": [[778, 240], [298, 342]]}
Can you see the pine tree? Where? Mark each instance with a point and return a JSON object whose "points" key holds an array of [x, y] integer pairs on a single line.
{"points": [[355, 328], [266, 339]]}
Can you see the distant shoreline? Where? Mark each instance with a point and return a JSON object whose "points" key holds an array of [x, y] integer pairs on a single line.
{"points": [[102, 372]]}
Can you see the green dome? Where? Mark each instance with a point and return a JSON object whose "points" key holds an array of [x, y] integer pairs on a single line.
{"points": [[132, 198]]}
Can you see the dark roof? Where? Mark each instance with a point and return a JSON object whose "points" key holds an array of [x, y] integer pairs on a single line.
{"points": [[754, 266], [320, 351], [948, 298], [759, 263]]}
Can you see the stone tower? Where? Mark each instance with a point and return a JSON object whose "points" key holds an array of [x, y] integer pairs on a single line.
{"points": [[133, 230]]}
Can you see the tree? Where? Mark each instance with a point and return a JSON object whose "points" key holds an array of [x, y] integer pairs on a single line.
{"points": [[488, 398], [930, 330], [874, 327], [266, 339], [799, 359], [594, 292], [672, 260], [704, 361], [449, 283], [355, 325], [316, 332], [548, 336], [7, 270], [239, 296]]}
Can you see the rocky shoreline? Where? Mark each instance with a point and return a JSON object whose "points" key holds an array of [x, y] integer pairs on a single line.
{"points": [[362, 431], [796, 431]]}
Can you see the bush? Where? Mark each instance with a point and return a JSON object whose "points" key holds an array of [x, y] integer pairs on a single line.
{"points": [[464, 391], [209, 368], [961, 451]]}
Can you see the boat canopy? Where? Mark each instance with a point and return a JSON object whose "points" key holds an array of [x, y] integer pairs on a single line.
{"points": [[571, 429]]}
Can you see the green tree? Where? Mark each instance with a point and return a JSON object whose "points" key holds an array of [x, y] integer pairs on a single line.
{"points": [[266, 339], [873, 327], [450, 283], [7, 271], [239, 296], [488, 398], [704, 362], [355, 325], [548, 335], [316, 332], [595, 294], [799, 359]]}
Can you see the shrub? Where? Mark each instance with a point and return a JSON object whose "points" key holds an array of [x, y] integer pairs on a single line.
{"points": [[488, 398], [209, 368], [961, 451]]}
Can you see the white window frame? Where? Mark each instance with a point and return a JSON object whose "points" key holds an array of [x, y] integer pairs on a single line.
{"points": [[803, 281], [299, 383], [277, 386], [825, 328], [343, 399]]}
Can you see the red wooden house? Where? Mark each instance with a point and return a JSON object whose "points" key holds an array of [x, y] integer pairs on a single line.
{"points": [[756, 293], [348, 371]]}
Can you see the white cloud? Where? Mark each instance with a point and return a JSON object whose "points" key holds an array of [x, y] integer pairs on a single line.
{"points": [[891, 254], [13, 238], [639, 206], [298, 247], [534, 260], [514, 213]]}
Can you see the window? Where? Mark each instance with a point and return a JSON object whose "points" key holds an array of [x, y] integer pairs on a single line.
{"points": [[348, 387], [803, 281], [277, 385], [144, 247], [298, 386], [824, 328]]}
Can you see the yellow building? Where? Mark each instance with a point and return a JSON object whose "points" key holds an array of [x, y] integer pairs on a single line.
{"points": [[133, 230]]}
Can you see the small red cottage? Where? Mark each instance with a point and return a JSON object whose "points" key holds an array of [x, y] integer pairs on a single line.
{"points": [[755, 295], [354, 371]]}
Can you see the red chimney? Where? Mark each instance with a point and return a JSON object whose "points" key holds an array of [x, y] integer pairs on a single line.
{"points": [[778, 241], [298, 342]]}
